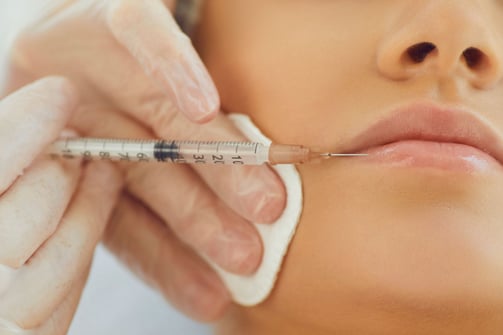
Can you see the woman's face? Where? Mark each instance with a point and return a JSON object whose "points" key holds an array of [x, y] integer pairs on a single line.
{"points": [[413, 234]]}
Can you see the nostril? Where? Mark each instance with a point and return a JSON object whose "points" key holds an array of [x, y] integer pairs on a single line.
{"points": [[474, 58], [418, 52]]}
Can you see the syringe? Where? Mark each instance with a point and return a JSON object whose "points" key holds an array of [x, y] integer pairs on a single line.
{"points": [[191, 152]]}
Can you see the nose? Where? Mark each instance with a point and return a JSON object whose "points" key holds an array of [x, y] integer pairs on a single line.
{"points": [[443, 38]]}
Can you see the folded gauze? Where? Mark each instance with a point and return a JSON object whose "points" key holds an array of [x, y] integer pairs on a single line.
{"points": [[253, 289]]}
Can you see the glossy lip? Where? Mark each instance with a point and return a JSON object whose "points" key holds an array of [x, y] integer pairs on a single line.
{"points": [[432, 123]]}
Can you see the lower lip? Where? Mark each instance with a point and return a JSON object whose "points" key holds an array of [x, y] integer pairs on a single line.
{"points": [[439, 155]]}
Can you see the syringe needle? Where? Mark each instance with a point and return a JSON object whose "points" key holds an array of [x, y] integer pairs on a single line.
{"points": [[330, 154]]}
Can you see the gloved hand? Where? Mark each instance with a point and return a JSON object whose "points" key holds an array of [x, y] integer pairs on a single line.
{"points": [[141, 78], [51, 218]]}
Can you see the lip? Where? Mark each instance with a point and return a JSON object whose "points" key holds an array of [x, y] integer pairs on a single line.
{"points": [[429, 135]]}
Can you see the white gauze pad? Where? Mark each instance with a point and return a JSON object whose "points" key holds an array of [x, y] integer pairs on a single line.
{"points": [[276, 237]]}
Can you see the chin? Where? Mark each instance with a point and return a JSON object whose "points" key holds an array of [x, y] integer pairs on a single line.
{"points": [[443, 257], [456, 283], [412, 248]]}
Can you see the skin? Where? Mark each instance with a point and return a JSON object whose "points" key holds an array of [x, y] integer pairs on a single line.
{"points": [[379, 249]]}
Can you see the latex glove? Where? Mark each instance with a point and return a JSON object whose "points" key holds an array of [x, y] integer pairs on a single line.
{"points": [[141, 77], [50, 218]]}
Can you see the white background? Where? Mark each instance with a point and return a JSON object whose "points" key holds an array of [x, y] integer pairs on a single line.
{"points": [[114, 301]]}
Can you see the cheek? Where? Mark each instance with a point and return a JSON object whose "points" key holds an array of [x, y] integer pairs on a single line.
{"points": [[299, 90]]}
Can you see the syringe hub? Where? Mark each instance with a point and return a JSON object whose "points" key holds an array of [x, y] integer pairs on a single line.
{"points": [[298, 154], [289, 154]]}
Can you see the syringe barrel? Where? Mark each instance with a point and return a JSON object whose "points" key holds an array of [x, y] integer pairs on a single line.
{"points": [[191, 152]]}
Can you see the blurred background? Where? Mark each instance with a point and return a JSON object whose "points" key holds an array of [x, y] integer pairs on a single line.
{"points": [[114, 301]]}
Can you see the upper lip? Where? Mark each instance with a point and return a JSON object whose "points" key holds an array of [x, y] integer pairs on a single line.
{"points": [[430, 122]]}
